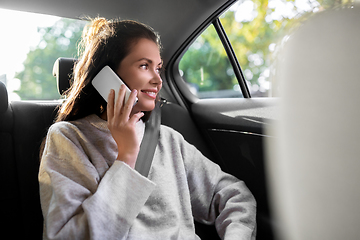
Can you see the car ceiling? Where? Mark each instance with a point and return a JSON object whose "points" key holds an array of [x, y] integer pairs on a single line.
{"points": [[174, 20]]}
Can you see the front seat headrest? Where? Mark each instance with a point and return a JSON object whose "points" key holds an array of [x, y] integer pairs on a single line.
{"points": [[63, 70], [4, 103], [316, 164]]}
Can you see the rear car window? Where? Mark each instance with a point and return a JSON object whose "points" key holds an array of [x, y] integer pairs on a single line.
{"points": [[32, 44]]}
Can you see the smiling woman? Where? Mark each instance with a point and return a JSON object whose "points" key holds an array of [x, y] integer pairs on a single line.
{"points": [[141, 71]]}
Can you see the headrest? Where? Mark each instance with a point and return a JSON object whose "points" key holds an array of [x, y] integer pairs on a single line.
{"points": [[63, 70], [3, 98], [318, 128]]}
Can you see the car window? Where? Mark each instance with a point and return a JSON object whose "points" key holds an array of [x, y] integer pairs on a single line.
{"points": [[255, 29], [32, 44]]}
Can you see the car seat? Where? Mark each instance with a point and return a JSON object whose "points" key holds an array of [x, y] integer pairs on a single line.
{"points": [[23, 125], [314, 163]]}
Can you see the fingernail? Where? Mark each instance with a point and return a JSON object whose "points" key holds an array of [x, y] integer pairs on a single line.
{"points": [[134, 90]]}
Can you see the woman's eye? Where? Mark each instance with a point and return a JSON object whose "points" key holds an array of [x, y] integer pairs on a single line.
{"points": [[144, 66]]}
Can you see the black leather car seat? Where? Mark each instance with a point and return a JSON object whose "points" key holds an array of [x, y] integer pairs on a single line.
{"points": [[9, 200], [23, 125]]}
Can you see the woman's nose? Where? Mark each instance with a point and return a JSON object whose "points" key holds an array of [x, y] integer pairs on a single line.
{"points": [[156, 78]]}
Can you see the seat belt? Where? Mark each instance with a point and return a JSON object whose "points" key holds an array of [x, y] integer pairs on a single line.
{"points": [[149, 141]]}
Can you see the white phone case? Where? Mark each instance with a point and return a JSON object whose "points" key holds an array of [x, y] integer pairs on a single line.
{"points": [[106, 80]]}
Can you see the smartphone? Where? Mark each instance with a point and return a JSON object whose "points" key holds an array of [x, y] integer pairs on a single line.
{"points": [[106, 80]]}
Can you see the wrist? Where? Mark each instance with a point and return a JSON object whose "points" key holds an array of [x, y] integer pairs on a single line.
{"points": [[130, 160], [133, 167]]}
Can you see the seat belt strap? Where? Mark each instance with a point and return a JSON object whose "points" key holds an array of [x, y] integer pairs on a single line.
{"points": [[149, 142]]}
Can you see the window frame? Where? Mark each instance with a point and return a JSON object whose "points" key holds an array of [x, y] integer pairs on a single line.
{"points": [[232, 57]]}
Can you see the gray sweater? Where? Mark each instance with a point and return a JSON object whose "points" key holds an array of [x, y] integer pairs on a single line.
{"points": [[86, 194]]}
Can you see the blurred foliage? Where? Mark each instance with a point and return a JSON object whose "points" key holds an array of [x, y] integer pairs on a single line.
{"points": [[59, 40], [254, 29], [205, 61]]}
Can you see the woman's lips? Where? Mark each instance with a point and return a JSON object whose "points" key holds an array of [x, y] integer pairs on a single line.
{"points": [[150, 93]]}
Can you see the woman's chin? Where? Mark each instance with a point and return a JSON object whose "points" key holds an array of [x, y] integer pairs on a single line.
{"points": [[144, 107]]}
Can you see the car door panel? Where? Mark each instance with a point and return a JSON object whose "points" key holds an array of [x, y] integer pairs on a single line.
{"points": [[243, 114], [235, 130]]}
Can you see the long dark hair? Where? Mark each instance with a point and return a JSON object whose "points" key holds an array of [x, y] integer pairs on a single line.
{"points": [[103, 43]]}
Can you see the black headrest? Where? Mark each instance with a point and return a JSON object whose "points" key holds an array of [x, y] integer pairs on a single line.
{"points": [[63, 70], [3, 98]]}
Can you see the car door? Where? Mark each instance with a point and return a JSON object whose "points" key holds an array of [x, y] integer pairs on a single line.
{"points": [[235, 132], [234, 129], [231, 121]]}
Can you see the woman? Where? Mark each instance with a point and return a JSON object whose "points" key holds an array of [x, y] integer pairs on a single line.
{"points": [[88, 186]]}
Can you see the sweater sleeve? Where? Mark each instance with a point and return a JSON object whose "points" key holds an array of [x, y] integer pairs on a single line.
{"points": [[219, 198], [77, 202]]}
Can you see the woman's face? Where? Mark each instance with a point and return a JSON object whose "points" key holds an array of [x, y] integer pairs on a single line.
{"points": [[140, 70]]}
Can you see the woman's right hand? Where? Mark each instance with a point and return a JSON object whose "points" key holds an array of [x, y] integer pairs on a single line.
{"points": [[122, 125]]}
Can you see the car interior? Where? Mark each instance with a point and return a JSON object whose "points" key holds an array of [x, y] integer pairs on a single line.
{"points": [[229, 131]]}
